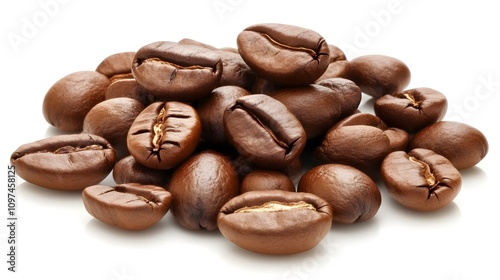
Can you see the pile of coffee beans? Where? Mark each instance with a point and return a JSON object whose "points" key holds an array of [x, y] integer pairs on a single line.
{"points": [[263, 142]]}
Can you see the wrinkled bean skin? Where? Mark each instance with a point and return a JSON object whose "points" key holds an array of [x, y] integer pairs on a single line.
{"points": [[463, 145], [264, 131], [378, 75], [259, 180], [164, 134], [200, 187], [68, 101], [127, 206], [353, 195], [421, 179], [411, 109], [177, 72], [274, 232], [284, 54], [65, 162]]}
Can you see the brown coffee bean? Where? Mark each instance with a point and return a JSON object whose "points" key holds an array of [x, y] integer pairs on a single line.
{"points": [[128, 170], [65, 162], [352, 194], [128, 87], [316, 107], [172, 71], [200, 187], [264, 131], [378, 75], [68, 101], [260, 180], [411, 109], [421, 179], [115, 65], [347, 91], [463, 145], [211, 111], [127, 206], [112, 119], [275, 221], [284, 54], [338, 66], [164, 134]]}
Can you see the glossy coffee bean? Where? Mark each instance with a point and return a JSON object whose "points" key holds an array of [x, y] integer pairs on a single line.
{"points": [[411, 109], [65, 162], [338, 66], [378, 75], [284, 54], [235, 72], [164, 134], [127, 206], [316, 107], [347, 91], [129, 88], [275, 221], [177, 72], [260, 180], [112, 119], [68, 101], [200, 187], [352, 194], [264, 131], [211, 111], [128, 170], [117, 64], [421, 179], [463, 145]]}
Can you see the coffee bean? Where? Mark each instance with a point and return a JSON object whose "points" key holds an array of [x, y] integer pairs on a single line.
{"points": [[275, 221], [421, 179], [177, 72], [412, 109], [347, 91], [127, 206], [128, 170], [68, 101], [378, 75], [164, 134], [264, 131], [128, 87], [112, 119], [463, 145], [116, 65], [65, 162], [338, 66], [284, 54], [200, 187], [259, 180], [353, 195]]}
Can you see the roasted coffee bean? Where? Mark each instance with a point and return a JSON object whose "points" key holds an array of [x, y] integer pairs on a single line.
{"points": [[275, 221], [421, 179], [463, 145], [361, 140], [116, 65], [112, 119], [284, 54], [188, 41], [260, 180], [127, 206], [128, 87], [65, 162], [164, 134], [211, 111], [68, 101], [378, 75], [347, 91], [200, 187], [338, 66], [176, 72], [353, 195], [316, 107], [235, 72], [411, 109], [128, 170], [264, 131]]}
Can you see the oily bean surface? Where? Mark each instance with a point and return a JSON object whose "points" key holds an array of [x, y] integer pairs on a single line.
{"points": [[164, 134], [116, 65], [421, 179], [275, 221], [259, 180], [65, 162], [128, 206], [128, 170]]}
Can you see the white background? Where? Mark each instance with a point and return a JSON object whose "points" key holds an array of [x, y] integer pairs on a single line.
{"points": [[449, 46]]}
